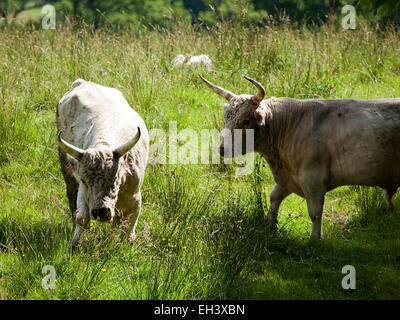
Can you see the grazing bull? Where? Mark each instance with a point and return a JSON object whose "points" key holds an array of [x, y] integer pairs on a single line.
{"points": [[314, 146], [103, 157]]}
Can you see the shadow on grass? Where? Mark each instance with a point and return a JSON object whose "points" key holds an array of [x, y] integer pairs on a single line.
{"points": [[202, 247], [252, 263], [29, 246], [38, 239]]}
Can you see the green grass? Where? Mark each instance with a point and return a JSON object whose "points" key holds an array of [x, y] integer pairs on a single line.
{"points": [[201, 234]]}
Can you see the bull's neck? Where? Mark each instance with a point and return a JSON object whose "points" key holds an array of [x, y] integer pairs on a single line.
{"points": [[282, 117]]}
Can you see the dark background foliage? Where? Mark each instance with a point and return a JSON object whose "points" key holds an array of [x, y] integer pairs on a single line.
{"points": [[158, 12]]}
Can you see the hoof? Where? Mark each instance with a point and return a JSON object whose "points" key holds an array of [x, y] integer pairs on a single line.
{"points": [[316, 237], [271, 224]]}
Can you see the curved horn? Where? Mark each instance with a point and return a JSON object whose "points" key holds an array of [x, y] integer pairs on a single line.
{"points": [[221, 91], [124, 148], [257, 98], [73, 151]]}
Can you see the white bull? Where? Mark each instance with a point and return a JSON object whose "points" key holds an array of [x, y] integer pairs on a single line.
{"points": [[103, 151]]}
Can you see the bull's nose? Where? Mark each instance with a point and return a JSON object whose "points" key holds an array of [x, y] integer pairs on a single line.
{"points": [[101, 214]]}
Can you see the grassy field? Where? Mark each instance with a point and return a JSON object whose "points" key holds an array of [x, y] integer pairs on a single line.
{"points": [[201, 233]]}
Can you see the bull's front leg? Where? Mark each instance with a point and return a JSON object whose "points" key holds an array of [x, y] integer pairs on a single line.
{"points": [[389, 193], [314, 185], [132, 213], [77, 235], [82, 219], [315, 196], [315, 206], [278, 194]]}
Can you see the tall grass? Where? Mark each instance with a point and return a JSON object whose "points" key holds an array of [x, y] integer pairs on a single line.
{"points": [[201, 234]]}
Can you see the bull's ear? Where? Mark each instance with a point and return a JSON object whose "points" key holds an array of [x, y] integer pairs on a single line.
{"points": [[225, 105], [259, 116]]}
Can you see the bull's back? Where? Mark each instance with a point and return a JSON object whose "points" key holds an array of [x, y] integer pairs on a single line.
{"points": [[90, 110], [363, 140]]}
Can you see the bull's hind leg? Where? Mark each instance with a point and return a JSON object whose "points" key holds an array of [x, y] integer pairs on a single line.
{"points": [[389, 193], [278, 194], [132, 215]]}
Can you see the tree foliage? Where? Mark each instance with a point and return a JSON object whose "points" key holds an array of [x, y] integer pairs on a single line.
{"points": [[379, 10], [10, 8], [231, 10], [123, 12], [157, 12]]}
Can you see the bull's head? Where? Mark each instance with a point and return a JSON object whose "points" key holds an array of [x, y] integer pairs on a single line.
{"points": [[243, 112], [96, 170]]}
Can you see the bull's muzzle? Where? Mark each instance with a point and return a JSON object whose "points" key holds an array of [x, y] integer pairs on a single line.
{"points": [[101, 214]]}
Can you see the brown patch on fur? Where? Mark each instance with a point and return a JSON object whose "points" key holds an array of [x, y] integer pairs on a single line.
{"points": [[69, 168]]}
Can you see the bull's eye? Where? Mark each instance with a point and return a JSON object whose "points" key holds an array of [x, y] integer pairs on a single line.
{"points": [[245, 122]]}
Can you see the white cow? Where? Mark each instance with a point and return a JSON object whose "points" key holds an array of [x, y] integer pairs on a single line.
{"points": [[103, 151], [194, 61], [313, 146]]}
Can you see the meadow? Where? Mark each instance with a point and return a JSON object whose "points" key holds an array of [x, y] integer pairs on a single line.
{"points": [[201, 234]]}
